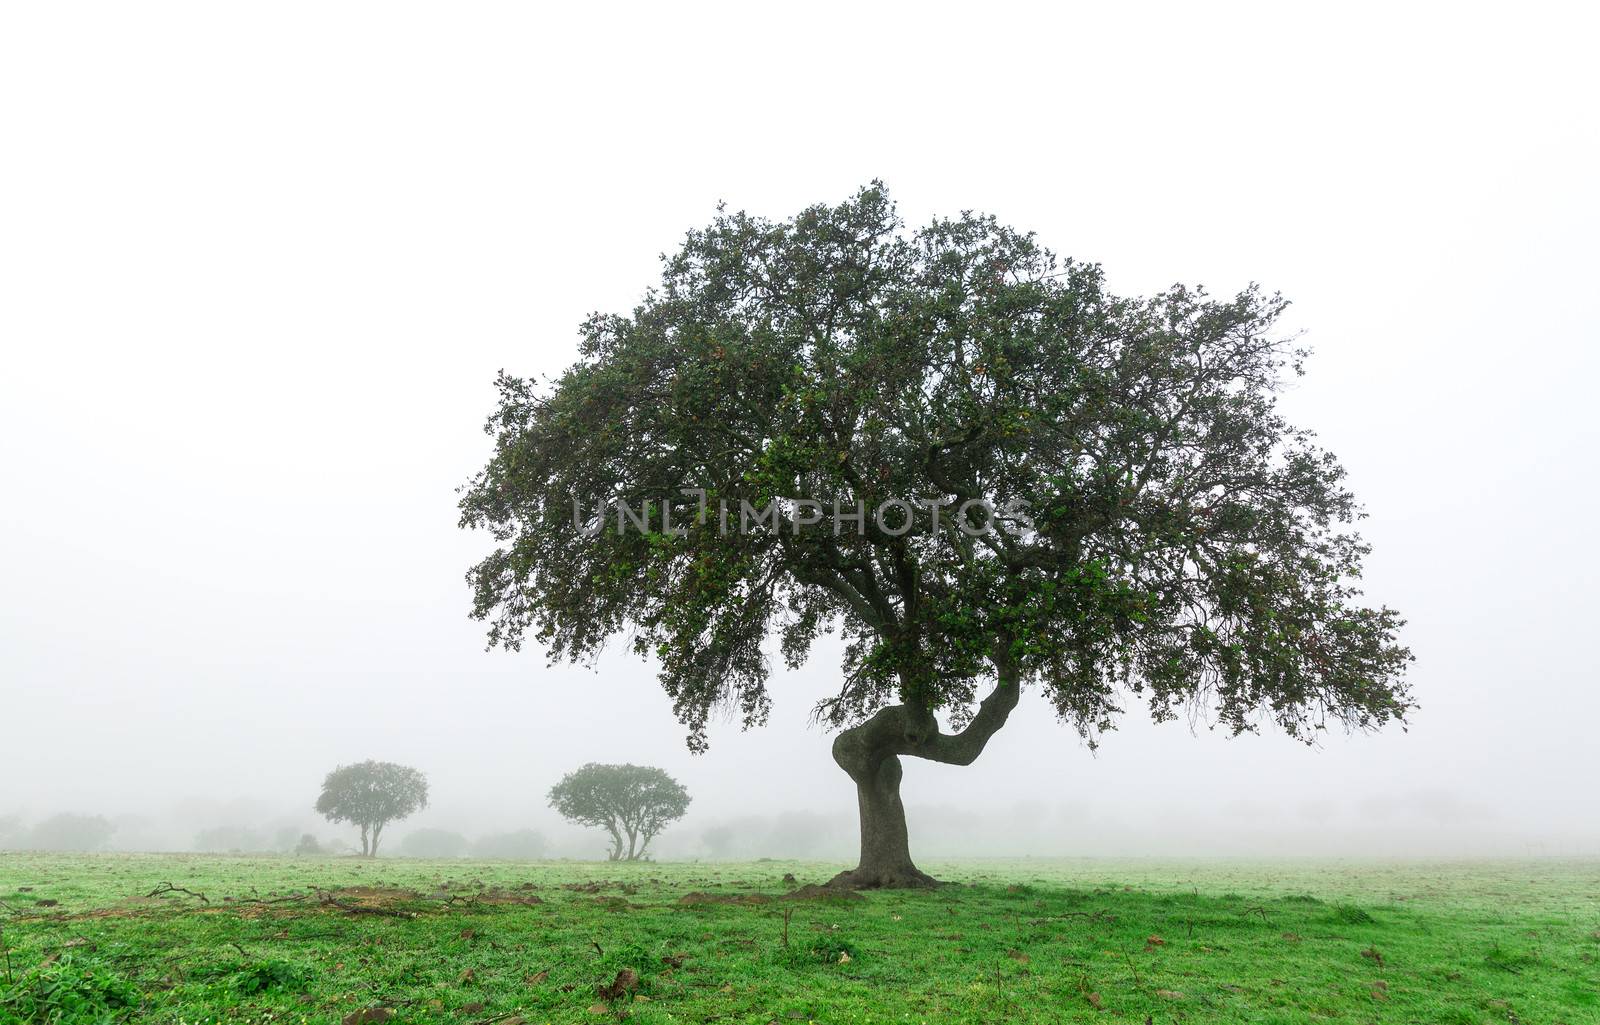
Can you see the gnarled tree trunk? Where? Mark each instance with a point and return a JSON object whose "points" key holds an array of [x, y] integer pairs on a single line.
{"points": [[870, 754], [885, 844]]}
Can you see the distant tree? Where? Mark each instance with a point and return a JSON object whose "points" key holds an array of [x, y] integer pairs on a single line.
{"points": [[372, 795], [71, 833], [718, 840], [521, 845], [230, 838], [433, 843], [798, 834], [308, 845], [633, 801]]}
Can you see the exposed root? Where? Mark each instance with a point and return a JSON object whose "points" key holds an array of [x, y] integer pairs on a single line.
{"points": [[906, 877]]}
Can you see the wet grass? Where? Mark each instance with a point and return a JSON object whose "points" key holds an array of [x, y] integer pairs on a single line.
{"points": [[118, 938]]}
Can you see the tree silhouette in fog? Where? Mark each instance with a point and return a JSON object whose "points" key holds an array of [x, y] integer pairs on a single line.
{"points": [[371, 795]]}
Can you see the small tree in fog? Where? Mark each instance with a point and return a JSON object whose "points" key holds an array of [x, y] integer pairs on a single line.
{"points": [[632, 801], [521, 845], [308, 845], [433, 843], [371, 795], [230, 838], [718, 840]]}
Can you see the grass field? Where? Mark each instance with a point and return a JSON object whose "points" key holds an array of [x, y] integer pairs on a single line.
{"points": [[106, 938]]}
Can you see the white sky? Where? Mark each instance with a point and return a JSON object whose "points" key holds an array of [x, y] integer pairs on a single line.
{"points": [[258, 267]]}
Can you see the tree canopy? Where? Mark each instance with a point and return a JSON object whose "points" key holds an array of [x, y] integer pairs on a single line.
{"points": [[632, 802], [1184, 540], [372, 794]]}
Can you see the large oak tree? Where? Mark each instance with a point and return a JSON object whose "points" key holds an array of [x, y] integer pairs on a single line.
{"points": [[1157, 532]]}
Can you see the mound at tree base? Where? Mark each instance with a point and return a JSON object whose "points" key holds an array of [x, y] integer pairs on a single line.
{"points": [[908, 878]]}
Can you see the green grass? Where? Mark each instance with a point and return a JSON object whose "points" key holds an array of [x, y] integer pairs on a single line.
{"points": [[318, 940]]}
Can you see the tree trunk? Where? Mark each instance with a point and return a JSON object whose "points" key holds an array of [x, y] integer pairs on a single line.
{"points": [[885, 843], [870, 753]]}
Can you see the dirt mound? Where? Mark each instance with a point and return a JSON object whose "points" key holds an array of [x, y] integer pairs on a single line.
{"points": [[811, 891]]}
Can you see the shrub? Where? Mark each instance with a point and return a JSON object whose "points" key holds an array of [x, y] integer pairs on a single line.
{"points": [[69, 991], [1349, 914]]}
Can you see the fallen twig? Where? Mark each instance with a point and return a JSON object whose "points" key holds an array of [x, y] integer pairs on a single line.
{"points": [[169, 888], [290, 899], [330, 900]]}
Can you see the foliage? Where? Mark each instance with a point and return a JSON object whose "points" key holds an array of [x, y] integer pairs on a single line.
{"points": [[70, 991], [264, 976], [1349, 914], [1160, 530], [371, 795], [632, 801], [308, 845]]}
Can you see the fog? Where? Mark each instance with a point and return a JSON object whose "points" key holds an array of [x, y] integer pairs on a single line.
{"points": [[258, 270]]}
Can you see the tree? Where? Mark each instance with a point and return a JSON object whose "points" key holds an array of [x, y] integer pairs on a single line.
{"points": [[308, 845], [520, 845], [371, 795], [633, 801], [433, 843], [68, 832], [985, 470], [231, 838], [718, 840]]}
